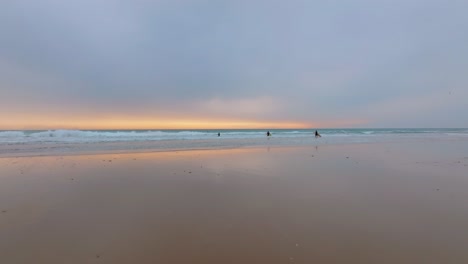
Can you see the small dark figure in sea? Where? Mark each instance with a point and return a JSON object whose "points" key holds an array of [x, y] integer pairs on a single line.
{"points": [[317, 135], [219, 134], [268, 133]]}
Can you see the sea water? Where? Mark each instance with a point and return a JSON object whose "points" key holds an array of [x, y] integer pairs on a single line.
{"points": [[42, 141], [96, 136]]}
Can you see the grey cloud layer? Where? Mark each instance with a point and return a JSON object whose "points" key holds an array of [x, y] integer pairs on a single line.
{"points": [[322, 60]]}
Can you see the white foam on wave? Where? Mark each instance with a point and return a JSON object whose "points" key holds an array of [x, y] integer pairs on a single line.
{"points": [[87, 136], [70, 141], [97, 136], [80, 136], [11, 134]]}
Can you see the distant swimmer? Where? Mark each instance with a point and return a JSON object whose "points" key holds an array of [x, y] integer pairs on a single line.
{"points": [[268, 133], [219, 134], [317, 135]]}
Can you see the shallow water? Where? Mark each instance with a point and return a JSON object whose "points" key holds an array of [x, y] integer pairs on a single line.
{"points": [[61, 142]]}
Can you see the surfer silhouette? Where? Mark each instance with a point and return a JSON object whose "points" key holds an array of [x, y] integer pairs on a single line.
{"points": [[317, 135]]}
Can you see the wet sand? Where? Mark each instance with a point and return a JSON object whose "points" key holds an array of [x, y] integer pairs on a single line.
{"points": [[372, 203]]}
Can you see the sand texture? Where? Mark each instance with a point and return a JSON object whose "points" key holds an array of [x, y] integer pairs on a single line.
{"points": [[370, 203]]}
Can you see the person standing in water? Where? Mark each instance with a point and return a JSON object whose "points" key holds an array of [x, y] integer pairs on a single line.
{"points": [[268, 133], [219, 134], [317, 135]]}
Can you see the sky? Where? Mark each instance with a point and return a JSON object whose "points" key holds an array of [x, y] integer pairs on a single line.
{"points": [[140, 64]]}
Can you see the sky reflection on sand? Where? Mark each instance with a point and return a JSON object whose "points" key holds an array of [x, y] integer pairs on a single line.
{"points": [[372, 203]]}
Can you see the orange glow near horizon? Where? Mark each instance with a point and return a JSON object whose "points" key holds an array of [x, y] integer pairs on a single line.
{"points": [[45, 123], [124, 123]]}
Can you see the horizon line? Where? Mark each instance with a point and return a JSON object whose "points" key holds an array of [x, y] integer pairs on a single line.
{"points": [[221, 129]]}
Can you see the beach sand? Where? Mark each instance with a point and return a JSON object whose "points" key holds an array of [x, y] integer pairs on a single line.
{"points": [[362, 203]]}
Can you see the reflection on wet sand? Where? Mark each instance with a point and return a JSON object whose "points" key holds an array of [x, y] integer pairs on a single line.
{"points": [[376, 203]]}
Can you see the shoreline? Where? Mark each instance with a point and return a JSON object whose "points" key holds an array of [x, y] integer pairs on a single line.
{"points": [[69, 149]]}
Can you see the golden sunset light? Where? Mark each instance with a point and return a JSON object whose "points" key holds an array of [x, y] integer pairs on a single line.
{"points": [[155, 123], [41, 122]]}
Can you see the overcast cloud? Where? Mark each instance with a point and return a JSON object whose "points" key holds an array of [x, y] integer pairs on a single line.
{"points": [[399, 63]]}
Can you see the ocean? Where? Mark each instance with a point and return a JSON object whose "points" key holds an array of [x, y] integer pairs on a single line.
{"points": [[69, 141]]}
